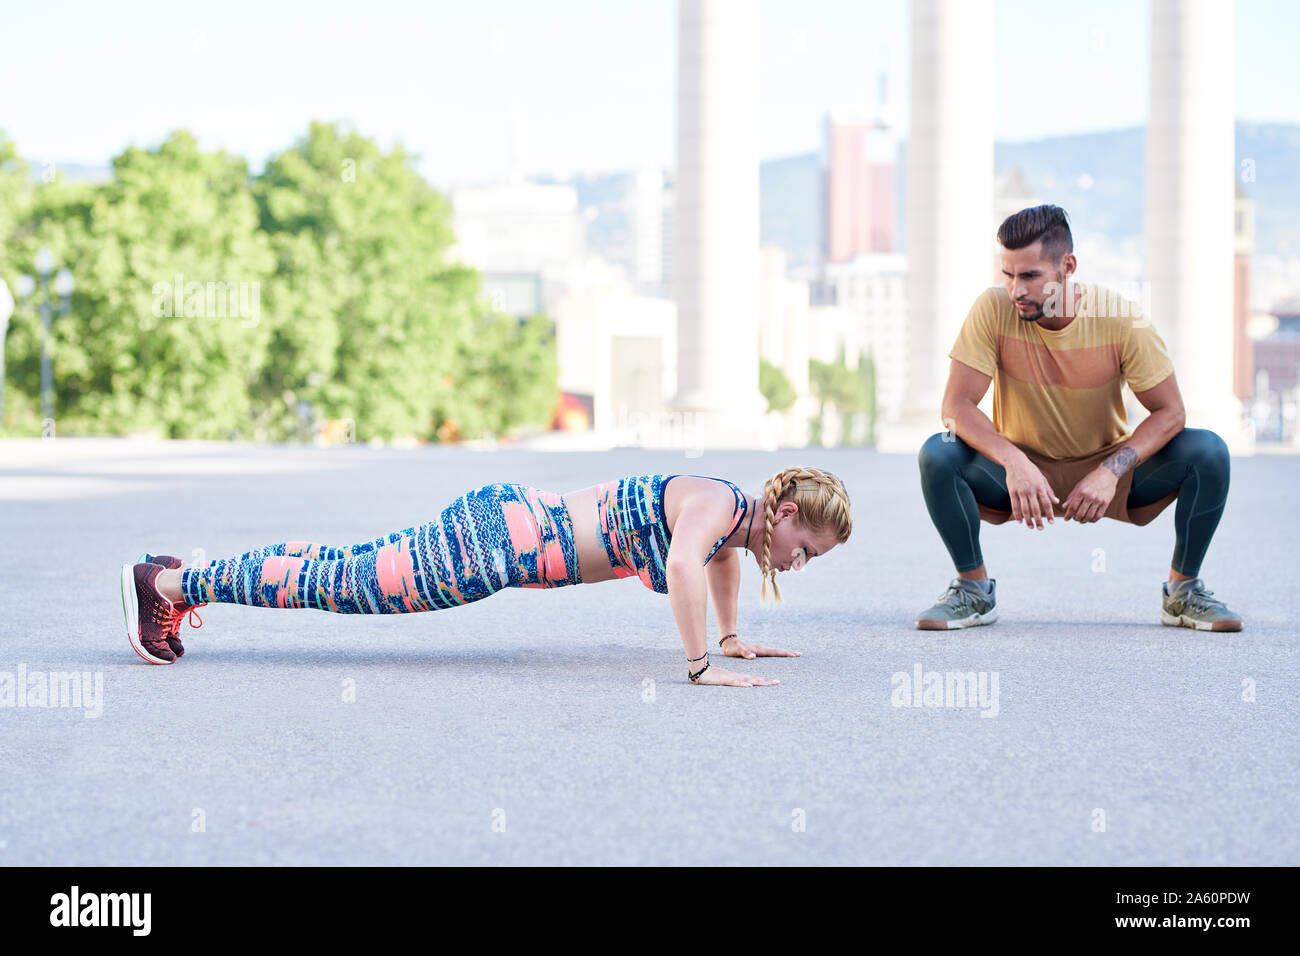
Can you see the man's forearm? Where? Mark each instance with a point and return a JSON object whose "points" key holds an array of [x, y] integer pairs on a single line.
{"points": [[1147, 439], [965, 420]]}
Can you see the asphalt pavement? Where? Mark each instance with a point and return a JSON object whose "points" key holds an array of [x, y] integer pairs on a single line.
{"points": [[542, 727]]}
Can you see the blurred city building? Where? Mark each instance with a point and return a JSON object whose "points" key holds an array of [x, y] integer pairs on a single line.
{"points": [[1011, 193], [627, 221], [860, 181], [1243, 357], [784, 338], [870, 293], [664, 302], [518, 227], [616, 348], [834, 337], [616, 352], [1277, 376]]}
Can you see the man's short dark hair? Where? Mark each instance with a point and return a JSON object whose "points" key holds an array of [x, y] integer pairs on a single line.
{"points": [[1048, 223]]}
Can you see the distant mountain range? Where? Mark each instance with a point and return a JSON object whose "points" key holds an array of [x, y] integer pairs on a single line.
{"points": [[1097, 177]]}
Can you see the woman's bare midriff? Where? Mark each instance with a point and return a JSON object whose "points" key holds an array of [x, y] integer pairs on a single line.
{"points": [[593, 561]]}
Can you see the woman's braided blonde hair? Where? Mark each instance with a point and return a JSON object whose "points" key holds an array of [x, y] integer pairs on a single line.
{"points": [[823, 504]]}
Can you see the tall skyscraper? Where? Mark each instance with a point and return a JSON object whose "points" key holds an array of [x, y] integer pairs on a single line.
{"points": [[860, 179]]}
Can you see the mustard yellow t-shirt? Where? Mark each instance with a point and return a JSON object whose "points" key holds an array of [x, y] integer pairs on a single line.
{"points": [[1061, 393]]}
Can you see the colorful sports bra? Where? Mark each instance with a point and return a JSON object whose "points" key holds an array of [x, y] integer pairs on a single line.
{"points": [[635, 530]]}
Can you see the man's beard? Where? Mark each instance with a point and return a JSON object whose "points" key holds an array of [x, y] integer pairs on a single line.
{"points": [[1038, 306]]}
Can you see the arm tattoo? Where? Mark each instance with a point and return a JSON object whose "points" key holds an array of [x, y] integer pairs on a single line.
{"points": [[1121, 461]]}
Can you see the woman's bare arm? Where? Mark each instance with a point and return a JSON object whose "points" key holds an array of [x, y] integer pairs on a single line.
{"points": [[697, 527], [723, 572], [703, 519]]}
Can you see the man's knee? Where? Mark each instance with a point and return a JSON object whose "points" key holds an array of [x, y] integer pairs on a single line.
{"points": [[941, 452], [1203, 449]]}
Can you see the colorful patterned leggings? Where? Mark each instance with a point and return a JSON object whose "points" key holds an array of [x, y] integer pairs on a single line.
{"points": [[497, 536]]}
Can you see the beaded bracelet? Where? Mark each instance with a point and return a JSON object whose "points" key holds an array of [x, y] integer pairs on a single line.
{"points": [[725, 636], [695, 678]]}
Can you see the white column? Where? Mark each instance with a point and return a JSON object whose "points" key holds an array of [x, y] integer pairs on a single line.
{"points": [[1190, 167], [715, 263], [949, 200]]}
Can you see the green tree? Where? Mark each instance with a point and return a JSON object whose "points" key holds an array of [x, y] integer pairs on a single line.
{"points": [[15, 194], [506, 378], [123, 358], [375, 322], [776, 388], [851, 391], [209, 305], [867, 389]]}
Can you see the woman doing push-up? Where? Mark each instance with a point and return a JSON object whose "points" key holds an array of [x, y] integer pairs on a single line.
{"points": [[680, 534]]}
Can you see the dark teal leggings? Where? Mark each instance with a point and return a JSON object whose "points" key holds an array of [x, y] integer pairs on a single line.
{"points": [[955, 478]]}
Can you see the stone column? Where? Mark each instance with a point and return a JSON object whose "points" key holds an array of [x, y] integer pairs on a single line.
{"points": [[1190, 169], [949, 197], [716, 256]]}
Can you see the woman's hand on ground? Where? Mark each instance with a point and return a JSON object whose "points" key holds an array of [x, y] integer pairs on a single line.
{"points": [[725, 678], [735, 647]]}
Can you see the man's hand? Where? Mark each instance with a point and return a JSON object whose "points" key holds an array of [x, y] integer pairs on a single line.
{"points": [[1031, 496], [1091, 496], [735, 647]]}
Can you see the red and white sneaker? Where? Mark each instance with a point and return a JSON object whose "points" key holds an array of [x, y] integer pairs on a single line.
{"points": [[173, 632], [148, 614]]}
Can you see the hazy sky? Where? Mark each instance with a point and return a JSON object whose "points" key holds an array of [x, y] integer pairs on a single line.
{"points": [[567, 85]]}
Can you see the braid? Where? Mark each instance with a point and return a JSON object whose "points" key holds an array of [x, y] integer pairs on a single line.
{"points": [[773, 489], [833, 512]]}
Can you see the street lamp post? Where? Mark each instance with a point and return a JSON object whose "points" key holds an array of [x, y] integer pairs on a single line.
{"points": [[6, 310], [63, 286], [44, 266]]}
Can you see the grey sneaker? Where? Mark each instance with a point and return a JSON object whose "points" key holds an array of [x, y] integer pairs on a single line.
{"points": [[1189, 604], [964, 604]]}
